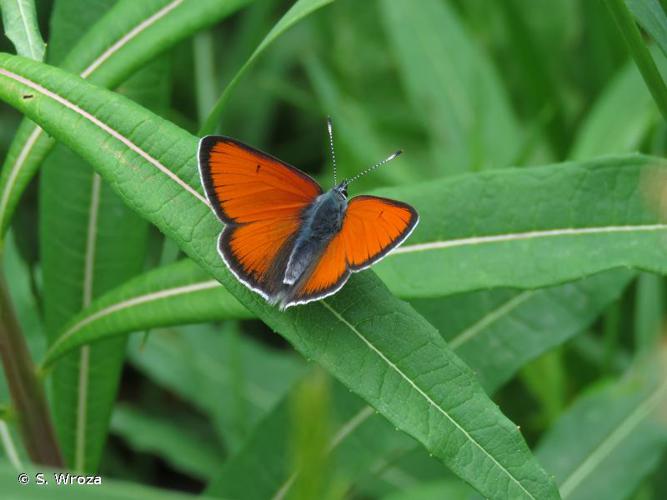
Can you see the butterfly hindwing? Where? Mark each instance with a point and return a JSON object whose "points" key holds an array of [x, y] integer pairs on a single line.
{"points": [[372, 227], [257, 252], [260, 199]]}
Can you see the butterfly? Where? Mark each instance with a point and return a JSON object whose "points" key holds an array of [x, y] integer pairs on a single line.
{"points": [[284, 237]]}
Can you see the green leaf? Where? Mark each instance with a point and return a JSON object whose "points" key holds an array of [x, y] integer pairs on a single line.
{"points": [[68, 22], [19, 19], [231, 379], [18, 277], [561, 222], [176, 294], [401, 471], [130, 35], [299, 10], [251, 113], [602, 133], [611, 438], [649, 311], [498, 331], [545, 379], [451, 490], [651, 16], [640, 53], [89, 245], [9, 443], [177, 441], [153, 167], [264, 468], [452, 86]]}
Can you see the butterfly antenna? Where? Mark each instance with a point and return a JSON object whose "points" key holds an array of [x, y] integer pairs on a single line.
{"points": [[331, 146], [377, 165]]}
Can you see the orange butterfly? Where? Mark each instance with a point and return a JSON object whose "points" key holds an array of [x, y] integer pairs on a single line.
{"points": [[285, 238]]}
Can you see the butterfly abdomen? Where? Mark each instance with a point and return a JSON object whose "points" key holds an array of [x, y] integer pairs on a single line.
{"points": [[322, 221]]}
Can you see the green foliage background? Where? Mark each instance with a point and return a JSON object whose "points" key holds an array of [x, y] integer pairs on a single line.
{"points": [[511, 348]]}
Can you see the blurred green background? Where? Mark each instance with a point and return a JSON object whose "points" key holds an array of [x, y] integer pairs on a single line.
{"points": [[459, 85]]}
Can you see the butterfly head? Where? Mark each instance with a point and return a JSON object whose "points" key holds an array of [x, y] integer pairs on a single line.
{"points": [[341, 189]]}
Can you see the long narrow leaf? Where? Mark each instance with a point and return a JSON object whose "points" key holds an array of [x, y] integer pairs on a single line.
{"points": [[495, 332], [626, 94], [498, 331], [560, 222], [263, 469], [19, 19], [610, 439], [176, 294], [130, 35], [452, 85], [298, 11], [179, 442], [90, 244], [640, 53], [94, 242], [449, 255], [231, 379], [414, 380], [651, 16]]}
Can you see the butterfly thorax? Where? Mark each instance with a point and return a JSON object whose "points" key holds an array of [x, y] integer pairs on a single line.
{"points": [[322, 220]]}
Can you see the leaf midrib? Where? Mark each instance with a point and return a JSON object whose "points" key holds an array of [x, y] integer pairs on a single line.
{"points": [[84, 357], [106, 128], [422, 393], [527, 235], [489, 318], [606, 446], [89, 70], [24, 20], [131, 302], [118, 136], [130, 35]]}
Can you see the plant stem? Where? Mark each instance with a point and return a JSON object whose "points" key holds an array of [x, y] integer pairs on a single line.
{"points": [[26, 390], [640, 53], [611, 326]]}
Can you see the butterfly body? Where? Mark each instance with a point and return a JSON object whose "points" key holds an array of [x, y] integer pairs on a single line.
{"points": [[284, 237], [322, 220]]}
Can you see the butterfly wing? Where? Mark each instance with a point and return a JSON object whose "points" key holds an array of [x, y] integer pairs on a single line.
{"points": [[372, 227], [260, 199], [246, 185]]}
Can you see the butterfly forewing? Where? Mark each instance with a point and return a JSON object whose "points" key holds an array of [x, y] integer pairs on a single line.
{"points": [[246, 185], [261, 200]]}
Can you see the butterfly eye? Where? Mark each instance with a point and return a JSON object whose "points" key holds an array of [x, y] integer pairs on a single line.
{"points": [[342, 189]]}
